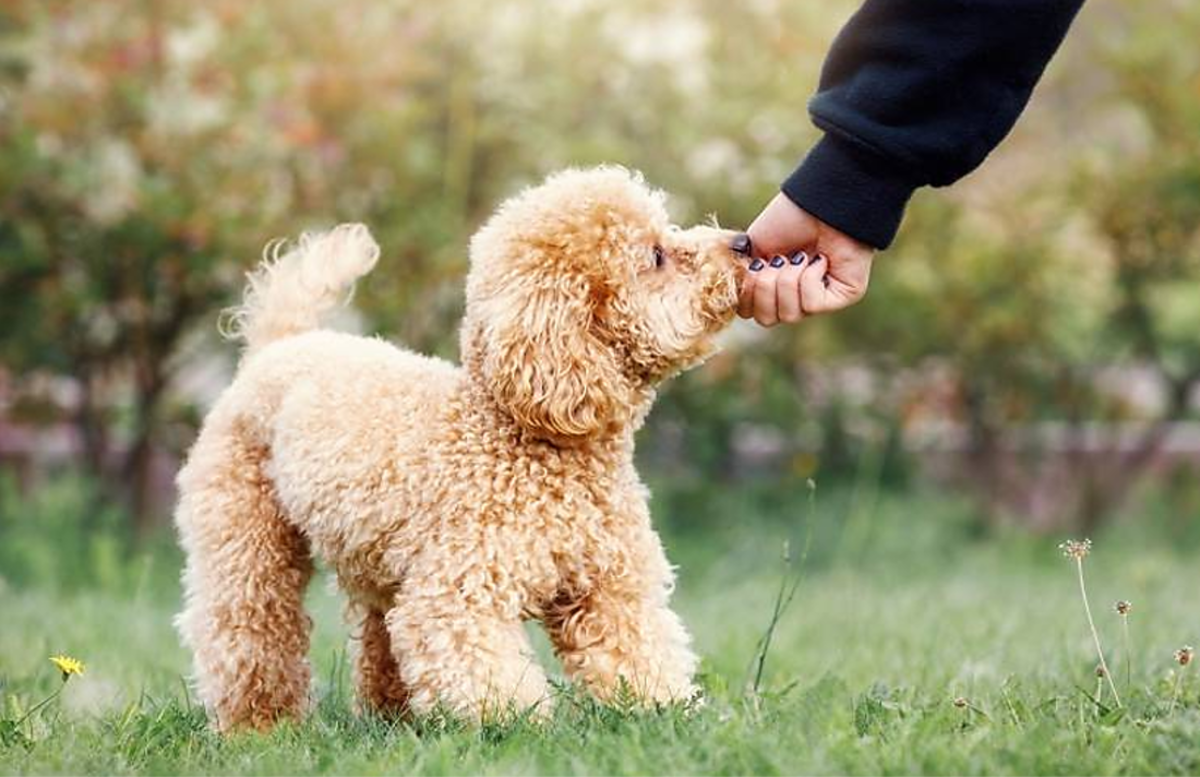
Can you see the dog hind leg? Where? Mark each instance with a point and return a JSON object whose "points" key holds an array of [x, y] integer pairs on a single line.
{"points": [[247, 569]]}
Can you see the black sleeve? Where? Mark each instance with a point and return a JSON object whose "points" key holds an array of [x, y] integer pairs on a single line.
{"points": [[915, 93]]}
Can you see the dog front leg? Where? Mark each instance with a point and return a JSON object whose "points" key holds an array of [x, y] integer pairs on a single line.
{"points": [[377, 675], [456, 654], [618, 638]]}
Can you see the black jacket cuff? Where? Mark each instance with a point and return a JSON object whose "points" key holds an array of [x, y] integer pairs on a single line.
{"points": [[850, 190]]}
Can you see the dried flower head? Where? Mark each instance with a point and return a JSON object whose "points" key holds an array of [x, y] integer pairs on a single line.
{"points": [[1123, 608], [1076, 549], [67, 665], [1100, 670], [961, 702], [1184, 655]]}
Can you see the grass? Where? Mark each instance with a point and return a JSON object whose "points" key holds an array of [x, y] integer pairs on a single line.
{"points": [[861, 676]]}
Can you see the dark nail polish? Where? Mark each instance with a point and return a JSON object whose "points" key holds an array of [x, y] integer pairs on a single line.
{"points": [[741, 244], [798, 258], [756, 265], [778, 262], [818, 258]]}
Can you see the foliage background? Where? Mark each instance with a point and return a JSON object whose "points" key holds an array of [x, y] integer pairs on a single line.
{"points": [[149, 149], [1026, 361]]}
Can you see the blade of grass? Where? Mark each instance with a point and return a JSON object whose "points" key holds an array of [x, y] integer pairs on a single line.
{"points": [[786, 592]]}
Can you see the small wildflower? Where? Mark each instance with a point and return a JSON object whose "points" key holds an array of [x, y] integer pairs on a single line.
{"points": [[1101, 671], [1076, 549], [67, 665], [1123, 608], [1183, 657], [961, 702]]}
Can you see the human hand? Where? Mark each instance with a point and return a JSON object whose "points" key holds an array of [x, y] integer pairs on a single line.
{"points": [[804, 266]]}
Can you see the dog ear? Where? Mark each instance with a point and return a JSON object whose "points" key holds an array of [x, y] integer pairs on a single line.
{"points": [[547, 367]]}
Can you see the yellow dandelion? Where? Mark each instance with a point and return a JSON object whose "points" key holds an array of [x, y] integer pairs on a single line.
{"points": [[67, 665]]}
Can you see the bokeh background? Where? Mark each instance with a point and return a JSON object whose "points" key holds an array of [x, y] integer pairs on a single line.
{"points": [[1026, 365]]}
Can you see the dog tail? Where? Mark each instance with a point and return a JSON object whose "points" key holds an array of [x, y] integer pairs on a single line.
{"points": [[296, 284]]}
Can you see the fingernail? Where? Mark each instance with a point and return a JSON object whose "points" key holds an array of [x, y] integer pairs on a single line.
{"points": [[777, 262], [741, 244], [818, 258], [798, 258], [756, 265]]}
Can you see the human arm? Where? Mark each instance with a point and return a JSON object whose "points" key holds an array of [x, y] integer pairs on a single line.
{"points": [[913, 93]]}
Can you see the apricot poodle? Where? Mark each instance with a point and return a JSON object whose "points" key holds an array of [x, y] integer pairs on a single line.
{"points": [[454, 502]]}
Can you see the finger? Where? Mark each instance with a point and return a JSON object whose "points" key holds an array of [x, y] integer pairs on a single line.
{"points": [[787, 289], [825, 287], [745, 307], [765, 312], [814, 294]]}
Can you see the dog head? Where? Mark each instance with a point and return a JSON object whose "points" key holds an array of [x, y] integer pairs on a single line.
{"points": [[582, 297]]}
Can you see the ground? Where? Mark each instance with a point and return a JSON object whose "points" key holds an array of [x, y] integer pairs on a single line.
{"points": [[901, 609]]}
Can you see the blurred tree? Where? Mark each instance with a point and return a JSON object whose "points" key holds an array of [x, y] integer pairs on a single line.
{"points": [[1146, 208], [149, 148], [1024, 306]]}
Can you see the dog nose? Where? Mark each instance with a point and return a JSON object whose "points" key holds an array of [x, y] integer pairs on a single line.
{"points": [[741, 244]]}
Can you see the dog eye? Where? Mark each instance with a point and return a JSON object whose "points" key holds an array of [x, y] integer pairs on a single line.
{"points": [[660, 258]]}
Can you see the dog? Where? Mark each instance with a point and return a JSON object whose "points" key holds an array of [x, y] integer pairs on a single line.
{"points": [[454, 502]]}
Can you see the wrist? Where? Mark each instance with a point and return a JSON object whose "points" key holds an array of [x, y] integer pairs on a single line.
{"points": [[850, 190]]}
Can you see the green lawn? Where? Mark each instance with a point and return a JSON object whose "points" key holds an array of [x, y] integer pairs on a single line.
{"points": [[900, 611]]}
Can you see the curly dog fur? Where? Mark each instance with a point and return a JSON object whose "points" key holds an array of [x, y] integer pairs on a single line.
{"points": [[454, 502]]}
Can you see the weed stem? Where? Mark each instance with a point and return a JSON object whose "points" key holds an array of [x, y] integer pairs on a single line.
{"points": [[1095, 636], [1128, 660]]}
